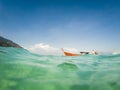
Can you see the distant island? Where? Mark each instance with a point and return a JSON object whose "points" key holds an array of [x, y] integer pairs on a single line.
{"points": [[8, 43]]}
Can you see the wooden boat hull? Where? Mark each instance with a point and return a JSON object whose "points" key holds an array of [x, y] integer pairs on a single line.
{"points": [[70, 54]]}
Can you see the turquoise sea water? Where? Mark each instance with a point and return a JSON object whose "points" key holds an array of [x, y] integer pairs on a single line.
{"points": [[22, 70]]}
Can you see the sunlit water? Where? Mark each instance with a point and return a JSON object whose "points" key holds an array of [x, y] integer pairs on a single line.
{"points": [[22, 70]]}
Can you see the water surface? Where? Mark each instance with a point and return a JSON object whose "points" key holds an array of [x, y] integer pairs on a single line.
{"points": [[22, 70]]}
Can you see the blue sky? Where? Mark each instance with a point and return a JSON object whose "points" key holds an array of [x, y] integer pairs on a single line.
{"points": [[80, 24]]}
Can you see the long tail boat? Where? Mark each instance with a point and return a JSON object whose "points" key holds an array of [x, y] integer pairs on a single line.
{"points": [[81, 53], [70, 54]]}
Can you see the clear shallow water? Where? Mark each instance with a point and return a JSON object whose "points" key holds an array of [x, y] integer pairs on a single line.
{"points": [[22, 70]]}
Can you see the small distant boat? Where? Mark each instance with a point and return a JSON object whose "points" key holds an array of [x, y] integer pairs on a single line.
{"points": [[81, 53], [70, 54]]}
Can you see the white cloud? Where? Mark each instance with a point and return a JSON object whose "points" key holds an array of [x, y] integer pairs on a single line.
{"points": [[46, 49], [116, 52]]}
